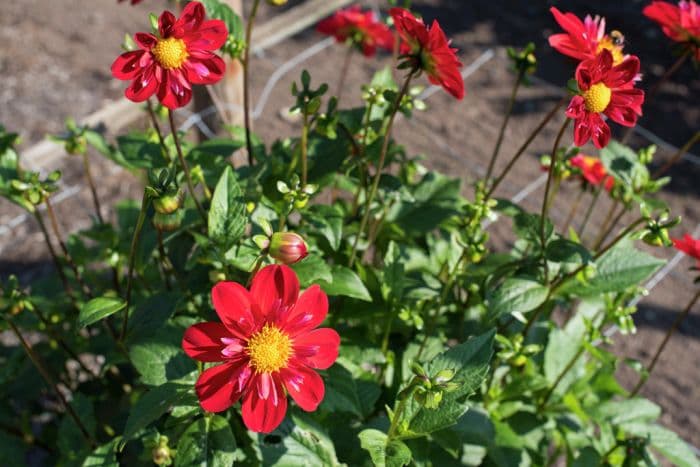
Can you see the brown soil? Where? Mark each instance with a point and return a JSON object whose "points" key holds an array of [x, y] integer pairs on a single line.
{"points": [[55, 63]]}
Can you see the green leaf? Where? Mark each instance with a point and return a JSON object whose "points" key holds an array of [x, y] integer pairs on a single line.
{"points": [[99, 308], [470, 363], [621, 267], [342, 393], [669, 444], [12, 450], [516, 295], [138, 151], [208, 442], [227, 218], [312, 269], [71, 441], [627, 410], [160, 358], [103, 456], [302, 443], [393, 454], [345, 282], [151, 314], [152, 405], [327, 221], [212, 156], [562, 346]]}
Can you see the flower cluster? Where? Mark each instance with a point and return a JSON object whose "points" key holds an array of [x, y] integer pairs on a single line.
{"points": [[268, 344], [170, 64], [605, 77]]}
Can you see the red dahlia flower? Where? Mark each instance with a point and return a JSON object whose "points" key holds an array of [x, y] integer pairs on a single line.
{"points": [[268, 346], [680, 23], [429, 50], [605, 89], [689, 246], [593, 171], [585, 39], [361, 28], [169, 65]]}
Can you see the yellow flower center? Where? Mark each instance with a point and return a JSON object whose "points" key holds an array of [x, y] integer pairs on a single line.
{"points": [[170, 52], [597, 98], [614, 49], [269, 349]]}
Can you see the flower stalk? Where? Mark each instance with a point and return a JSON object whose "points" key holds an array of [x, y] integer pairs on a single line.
{"points": [[246, 80], [185, 167], [380, 163], [132, 259], [506, 118]]}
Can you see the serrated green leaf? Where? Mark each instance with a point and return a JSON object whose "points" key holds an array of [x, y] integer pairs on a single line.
{"points": [[103, 456], [160, 358], [313, 269], [99, 308], [227, 218], [383, 454], [627, 410], [516, 295], [327, 221], [302, 443], [669, 444], [208, 442]]}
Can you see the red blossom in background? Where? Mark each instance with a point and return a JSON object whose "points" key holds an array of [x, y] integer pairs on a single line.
{"points": [[689, 246], [268, 346], [585, 39], [681, 23], [430, 51], [605, 89], [363, 29], [169, 65], [593, 171]]}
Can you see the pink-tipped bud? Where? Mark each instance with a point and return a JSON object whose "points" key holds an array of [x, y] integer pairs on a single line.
{"points": [[288, 247]]}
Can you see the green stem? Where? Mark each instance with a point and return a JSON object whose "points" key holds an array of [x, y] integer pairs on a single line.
{"points": [[677, 322], [132, 259], [526, 144], [610, 220], [51, 383], [545, 202], [93, 190], [304, 150], [156, 126], [396, 418], [66, 254], [246, 80], [344, 72], [589, 211], [185, 167], [506, 118], [573, 210], [380, 165], [560, 377], [54, 256]]}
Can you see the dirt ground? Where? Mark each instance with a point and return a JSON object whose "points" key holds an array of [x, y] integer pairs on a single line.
{"points": [[55, 63]]}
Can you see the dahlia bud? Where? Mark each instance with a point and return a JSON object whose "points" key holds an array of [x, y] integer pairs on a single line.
{"points": [[167, 204], [288, 247], [168, 222]]}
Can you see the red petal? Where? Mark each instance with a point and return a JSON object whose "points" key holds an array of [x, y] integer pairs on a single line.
{"points": [[582, 130], [203, 341], [211, 35], [219, 387], [625, 106], [165, 24], [126, 66], [594, 70], [275, 289], [190, 19], [145, 40], [623, 73], [600, 131], [309, 311], [232, 304], [576, 107], [305, 386], [317, 348], [206, 70], [143, 86], [264, 415], [174, 90], [563, 44]]}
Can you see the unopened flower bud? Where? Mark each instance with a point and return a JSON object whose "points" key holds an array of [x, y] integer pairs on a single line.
{"points": [[444, 376], [168, 204], [168, 222], [433, 399], [288, 247], [161, 454]]}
